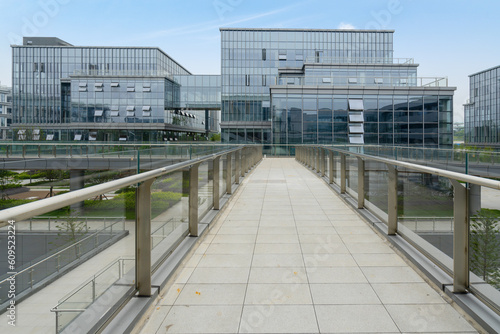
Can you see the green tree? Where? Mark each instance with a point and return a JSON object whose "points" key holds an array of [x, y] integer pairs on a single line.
{"points": [[485, 246], [7, 182]]}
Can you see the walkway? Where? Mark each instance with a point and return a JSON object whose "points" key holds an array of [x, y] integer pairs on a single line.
{"points": [[288, 256]]}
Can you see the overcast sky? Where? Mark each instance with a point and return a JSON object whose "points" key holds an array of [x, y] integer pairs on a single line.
{"points": [[452, 38]]}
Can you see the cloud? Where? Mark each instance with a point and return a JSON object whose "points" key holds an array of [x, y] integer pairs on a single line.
{"points": [[346, 26]]}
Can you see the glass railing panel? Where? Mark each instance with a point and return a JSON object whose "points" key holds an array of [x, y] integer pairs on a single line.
{"points": [[352, 174], [376, 180], [484, 243], [425, 206], [169, 213], [336, 168], [205, 188], [222, 175]]}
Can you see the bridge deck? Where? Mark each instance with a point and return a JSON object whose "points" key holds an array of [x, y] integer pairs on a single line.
{"points": [[289, 256]]}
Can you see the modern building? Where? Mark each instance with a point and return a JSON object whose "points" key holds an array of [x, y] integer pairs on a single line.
{"points": [[482, 111], [277, 86], [292, 86], [5, 111], [66, 92]]}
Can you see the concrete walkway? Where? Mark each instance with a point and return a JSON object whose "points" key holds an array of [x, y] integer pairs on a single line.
{"points": [[288, 256]]}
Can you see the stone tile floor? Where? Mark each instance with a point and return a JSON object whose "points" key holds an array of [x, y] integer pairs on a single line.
{"points": [[289, 256]]}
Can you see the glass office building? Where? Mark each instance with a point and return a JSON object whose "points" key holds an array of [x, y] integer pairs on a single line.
{"points": [[482, 111], [5, 111], [65, 92], [295, 86]]}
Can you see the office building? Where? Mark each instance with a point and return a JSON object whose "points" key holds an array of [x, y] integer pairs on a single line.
{"points": [[73, 93], [277, 86], [5, 111], [482, 111], [292, 86]]}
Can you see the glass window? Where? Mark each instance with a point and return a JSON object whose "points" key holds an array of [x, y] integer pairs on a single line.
{"points": [[356, 104]]}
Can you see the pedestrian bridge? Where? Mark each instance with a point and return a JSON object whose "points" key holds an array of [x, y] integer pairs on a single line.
{"points": [[311, 244]]}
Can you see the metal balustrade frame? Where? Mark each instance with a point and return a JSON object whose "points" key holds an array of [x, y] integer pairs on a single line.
{"points": [[246, 158], [458, 268]]}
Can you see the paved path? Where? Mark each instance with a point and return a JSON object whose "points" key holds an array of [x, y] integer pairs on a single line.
{"points": [[288, 256]]}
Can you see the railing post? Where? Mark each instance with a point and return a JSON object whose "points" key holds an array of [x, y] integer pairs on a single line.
{"points": [[460, 237], [342, 173], [216, 181], [392, 206], [143, 239], [229, 170], [318, 164], [330, 168], [237, 162], [361, 183], [193, 200]]}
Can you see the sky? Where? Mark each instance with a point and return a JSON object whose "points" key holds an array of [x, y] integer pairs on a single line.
{"points": [[448, 38]]}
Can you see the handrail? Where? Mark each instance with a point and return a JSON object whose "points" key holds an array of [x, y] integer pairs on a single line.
{"points": [[93, 277], [431, 170], [59, 252], [50, 204]]}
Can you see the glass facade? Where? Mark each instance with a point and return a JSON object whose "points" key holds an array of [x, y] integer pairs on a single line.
{"points": [[286, 86], [103, 93], [5, 111], [482, 112]]}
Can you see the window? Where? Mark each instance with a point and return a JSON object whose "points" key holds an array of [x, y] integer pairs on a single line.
{"points": [[130, 108], [356, 117], [93, 136], [130, 89], [264, 82], [146, 89], [123, 138], [82, 84], [356, 139], [115, 84], [356, 105], [379, 80], [42, 67], [130, 113], [78, 137], [146, 111], [264, 54], [353, 80], [356, 128], [115, 113], [282, 57], [98, 112], [247, 80], [327, 80], [50, 137], [35, 67]]}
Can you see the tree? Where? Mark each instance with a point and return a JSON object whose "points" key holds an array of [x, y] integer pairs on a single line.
{"points": [[7, 182], [485, 246]]}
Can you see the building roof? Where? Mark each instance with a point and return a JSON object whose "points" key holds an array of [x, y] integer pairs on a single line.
{"points": [[487, 70], [307, 30]]}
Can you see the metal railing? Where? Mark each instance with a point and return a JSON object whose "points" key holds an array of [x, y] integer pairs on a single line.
{"points": [[54, 263], [325, 160], [51, 223], [238, 161], [77, 301], [357, 60], [376, 81]]}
